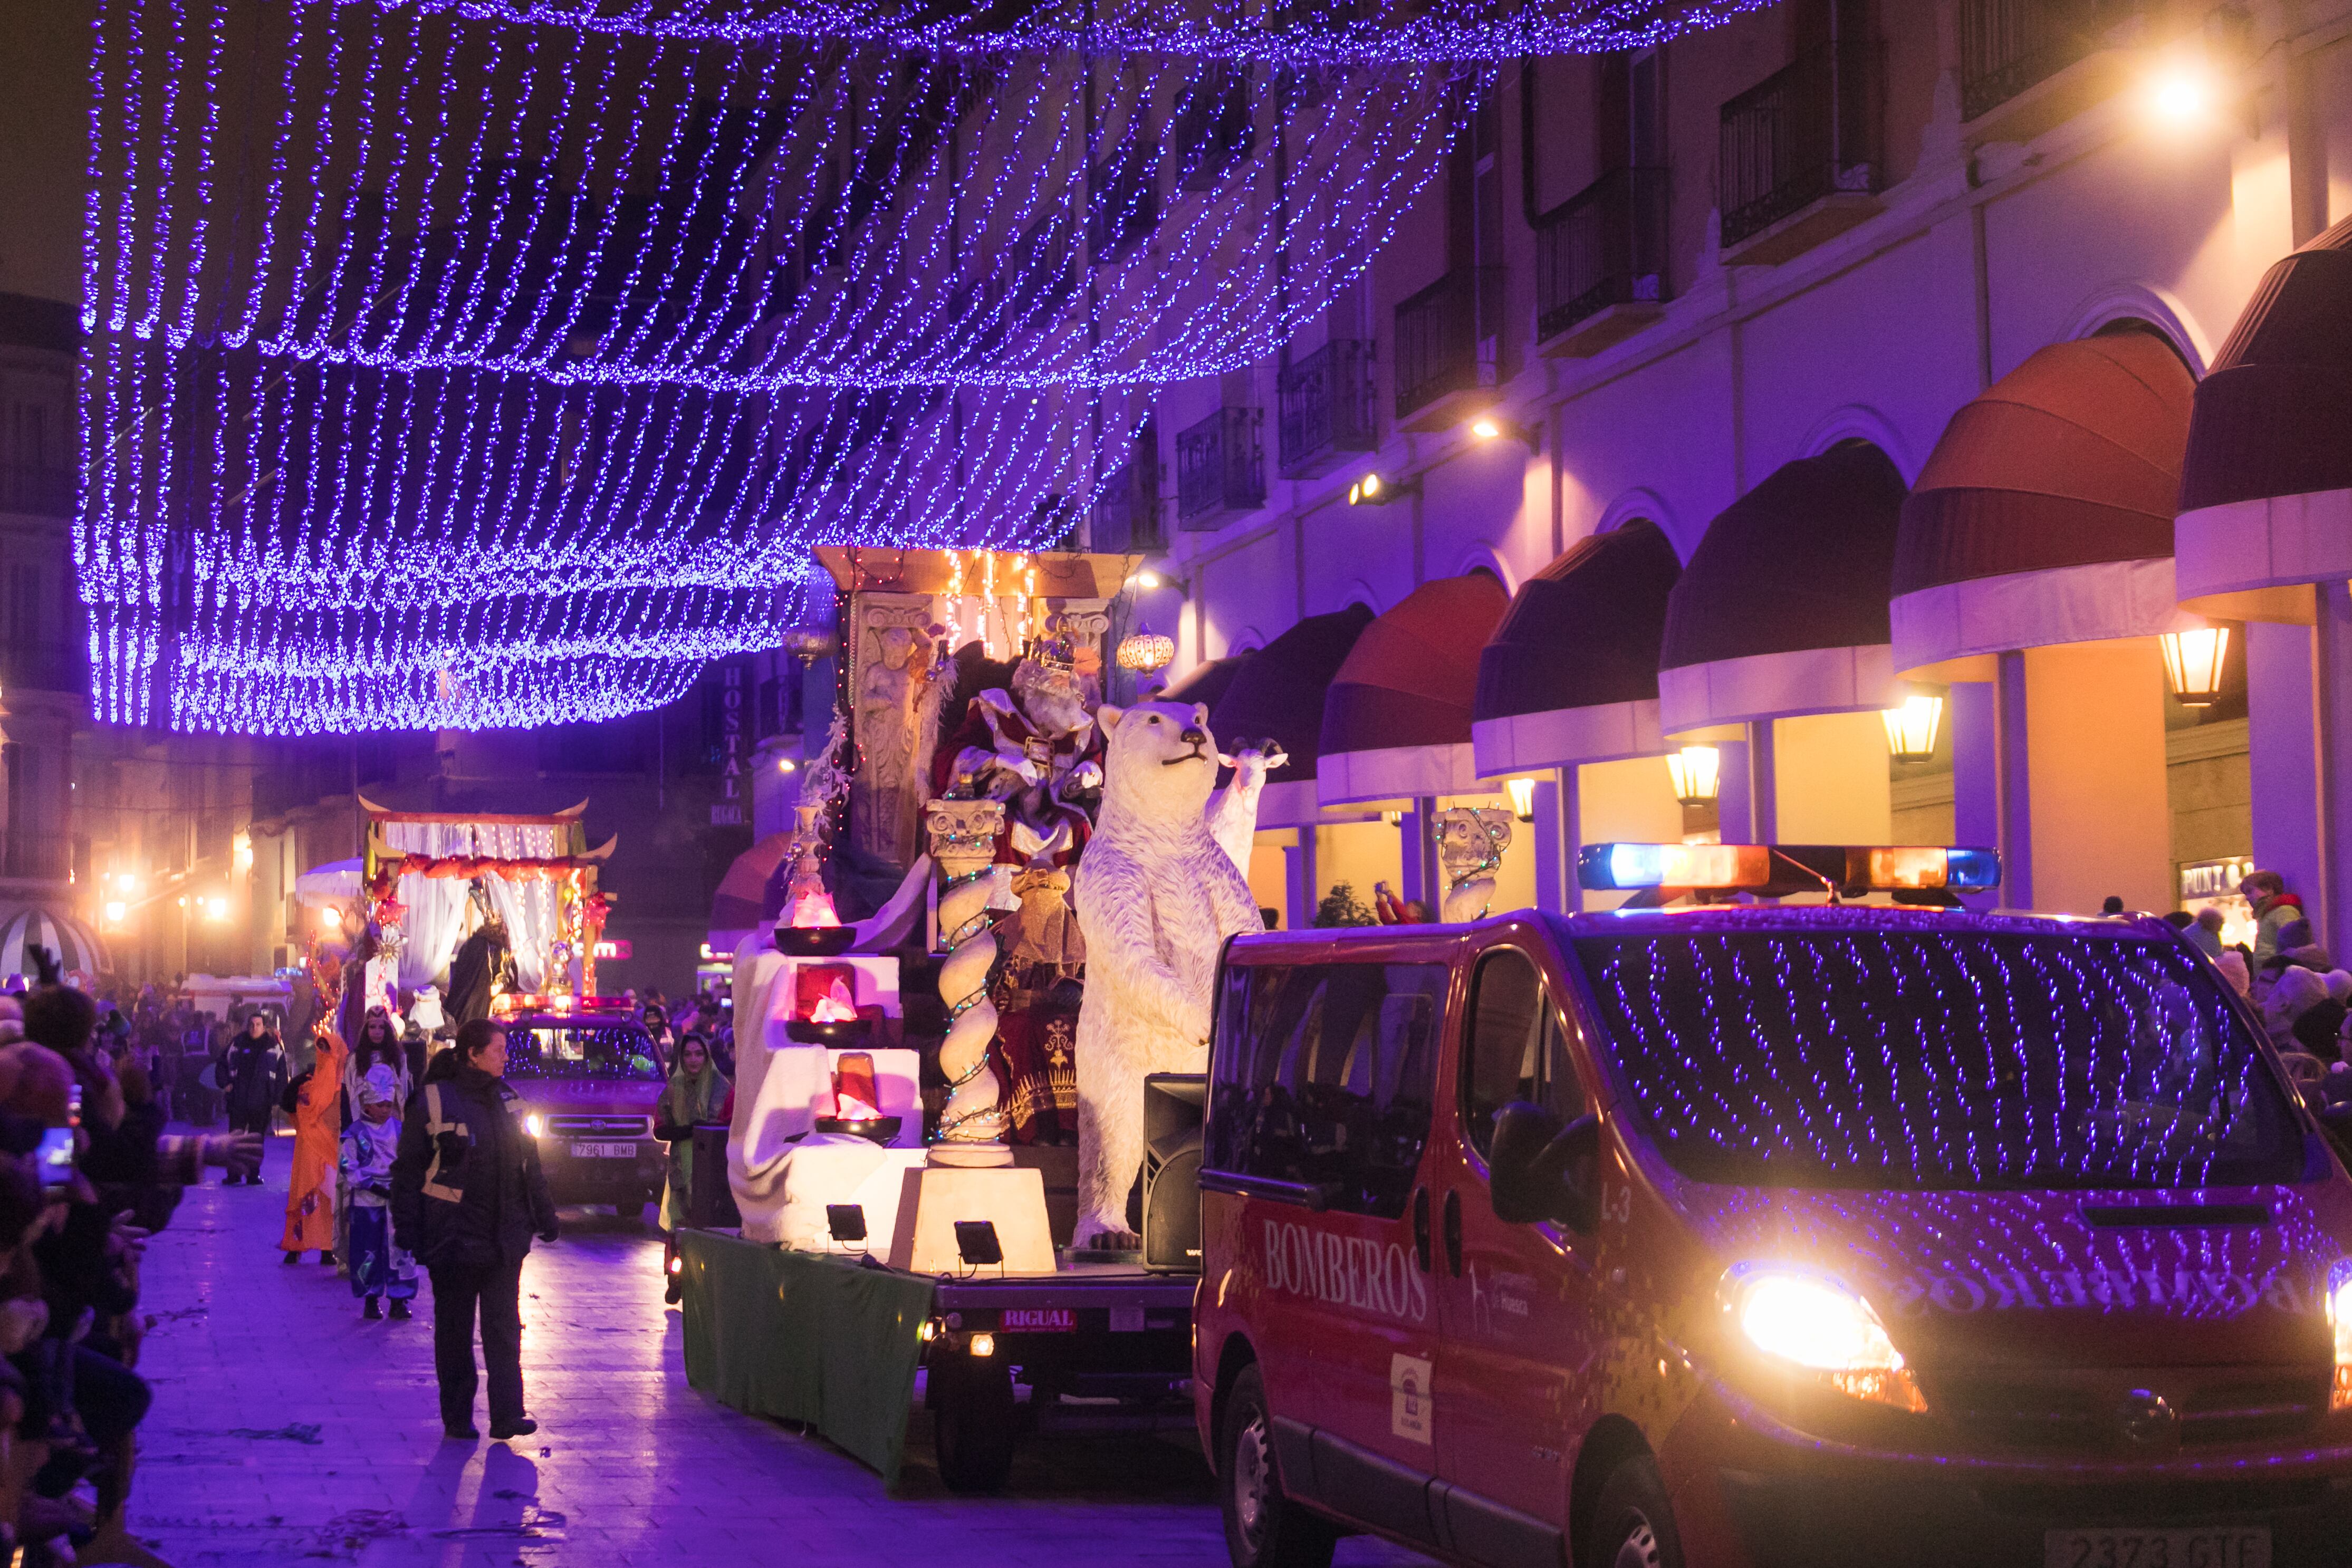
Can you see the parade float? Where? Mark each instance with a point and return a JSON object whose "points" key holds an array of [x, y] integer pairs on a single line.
{"points": [[498, 913], [913, 1106]]}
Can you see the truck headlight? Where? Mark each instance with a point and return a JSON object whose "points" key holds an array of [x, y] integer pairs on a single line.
{"points": [[1815, 1323], [2339, 1323], [533, 1124]]}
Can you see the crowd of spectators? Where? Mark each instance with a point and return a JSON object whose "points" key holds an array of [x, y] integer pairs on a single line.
{"points": [[87, 1174]]}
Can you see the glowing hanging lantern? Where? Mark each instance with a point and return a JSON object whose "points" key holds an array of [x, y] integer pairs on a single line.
{"points": [[2193, 662], [1146, 651], [1523, 798], [1912, 726], [1698, 772]]}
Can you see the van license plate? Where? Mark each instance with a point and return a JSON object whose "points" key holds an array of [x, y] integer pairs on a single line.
{"points": [[603, 1151], [2224, 1546]]}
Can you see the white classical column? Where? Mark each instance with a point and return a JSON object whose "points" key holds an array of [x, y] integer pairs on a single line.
{"points": [[964, 844]]}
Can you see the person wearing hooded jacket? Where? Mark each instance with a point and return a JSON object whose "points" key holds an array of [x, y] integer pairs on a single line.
{"points": [[467, 1196], [252, 1077]]}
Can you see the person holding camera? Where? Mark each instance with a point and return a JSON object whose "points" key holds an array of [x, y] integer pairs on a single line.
{"points": [[467, 1196]]}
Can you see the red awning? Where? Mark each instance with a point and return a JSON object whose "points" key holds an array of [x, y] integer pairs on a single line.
{"points": [[2044, 515], [751, 893], [1408, 685]]}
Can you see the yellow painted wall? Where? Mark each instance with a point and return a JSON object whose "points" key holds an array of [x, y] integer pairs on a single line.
{"points": [[1831, 770], [1359, 853], [1266, 880], [2095, 760], [1631, 801]]}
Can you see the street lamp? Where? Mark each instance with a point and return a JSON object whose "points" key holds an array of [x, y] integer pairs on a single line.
{"points": [[1697, 773], [2192, 664], [1911, 726], [1494, 428], [1375, 489], [1523, 798]]}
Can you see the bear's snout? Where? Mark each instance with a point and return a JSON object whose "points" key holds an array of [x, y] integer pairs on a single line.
{"points": [[1195, 736]]}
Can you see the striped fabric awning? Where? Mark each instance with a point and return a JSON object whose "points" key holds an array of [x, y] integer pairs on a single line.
{"points": [[68, 939]]}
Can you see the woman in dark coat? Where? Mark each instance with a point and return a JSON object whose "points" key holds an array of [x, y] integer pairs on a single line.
{"points": [[467, 1196]]}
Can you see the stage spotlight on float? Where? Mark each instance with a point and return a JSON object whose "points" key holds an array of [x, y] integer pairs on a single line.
{"points": [[1377, 489], [1697, 773], [2193, 662]]}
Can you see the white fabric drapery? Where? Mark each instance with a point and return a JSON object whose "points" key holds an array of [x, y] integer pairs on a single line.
{"points": [[436, 905]]}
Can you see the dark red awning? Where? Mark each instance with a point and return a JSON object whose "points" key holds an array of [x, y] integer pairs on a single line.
{"points": [[1585, 631], [2274, 413], [1278, 694], [1412, 677]]}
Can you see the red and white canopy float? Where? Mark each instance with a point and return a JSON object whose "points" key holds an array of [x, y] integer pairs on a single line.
{"points": [[1782, 611], [2044, 515], [2266, 488], [1571, 674], [1396, 721], [1278, 696]]}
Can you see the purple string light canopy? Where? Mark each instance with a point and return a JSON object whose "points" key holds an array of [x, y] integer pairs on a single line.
{"points": [[470, 364]]}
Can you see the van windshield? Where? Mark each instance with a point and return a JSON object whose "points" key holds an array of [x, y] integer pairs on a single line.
{"points": [[575, 1052], [1915, 1060]]}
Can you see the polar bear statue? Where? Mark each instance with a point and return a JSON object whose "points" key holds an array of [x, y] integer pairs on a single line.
{"points": [[1156, 897]]}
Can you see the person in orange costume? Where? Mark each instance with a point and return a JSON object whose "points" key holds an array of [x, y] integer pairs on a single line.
{"points": [[317, 1140]]}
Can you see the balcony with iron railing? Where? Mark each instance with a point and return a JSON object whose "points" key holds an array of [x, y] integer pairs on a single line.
{"points": [[1219, 468], [1214, 129], [1122, 200], [1127, 510], [39, 491], [1798, 160], [2009, 47], [45, 666], [37, 857], [1600, 263], [1448, 347], [1326, 408]]}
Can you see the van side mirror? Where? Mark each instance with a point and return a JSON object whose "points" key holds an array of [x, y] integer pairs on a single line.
{"points": [[1542, 1170]]}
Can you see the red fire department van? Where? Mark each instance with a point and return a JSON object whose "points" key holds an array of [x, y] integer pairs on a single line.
{"points": [[1768, 1235]]}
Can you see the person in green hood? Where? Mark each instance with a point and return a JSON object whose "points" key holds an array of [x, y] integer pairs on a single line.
{"points": [[695, 1092]]}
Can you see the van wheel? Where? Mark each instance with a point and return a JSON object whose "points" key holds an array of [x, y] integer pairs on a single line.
{"points": [[1634, 1522], [972, 1422], [1263, 1528]]}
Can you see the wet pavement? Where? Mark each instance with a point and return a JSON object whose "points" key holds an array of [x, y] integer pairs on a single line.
{"points": [[287, 1429]]}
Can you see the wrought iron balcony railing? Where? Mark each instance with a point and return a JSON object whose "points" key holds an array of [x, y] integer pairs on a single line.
{"points": [[1806, 131], [1326, 408], [1604, 245], [1448, 337], [2008, 46], [1219, 468]]}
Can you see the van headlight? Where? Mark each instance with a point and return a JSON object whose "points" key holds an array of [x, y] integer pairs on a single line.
{"points": [[1812, 1322], [2339, 1323], [532, 1124]]}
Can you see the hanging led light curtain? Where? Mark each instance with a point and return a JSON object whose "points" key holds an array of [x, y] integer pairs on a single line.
{"points": [[339, 531], [412, 190], [1300, 33]]}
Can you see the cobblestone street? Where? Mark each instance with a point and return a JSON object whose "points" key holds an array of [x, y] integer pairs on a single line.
{"points": [[287, 1429]]}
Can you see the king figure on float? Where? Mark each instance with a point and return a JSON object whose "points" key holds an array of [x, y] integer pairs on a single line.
{"points": [[1156, 897]]}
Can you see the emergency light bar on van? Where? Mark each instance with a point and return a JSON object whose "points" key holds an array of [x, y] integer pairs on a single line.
{"points": [[1849, 868]]}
